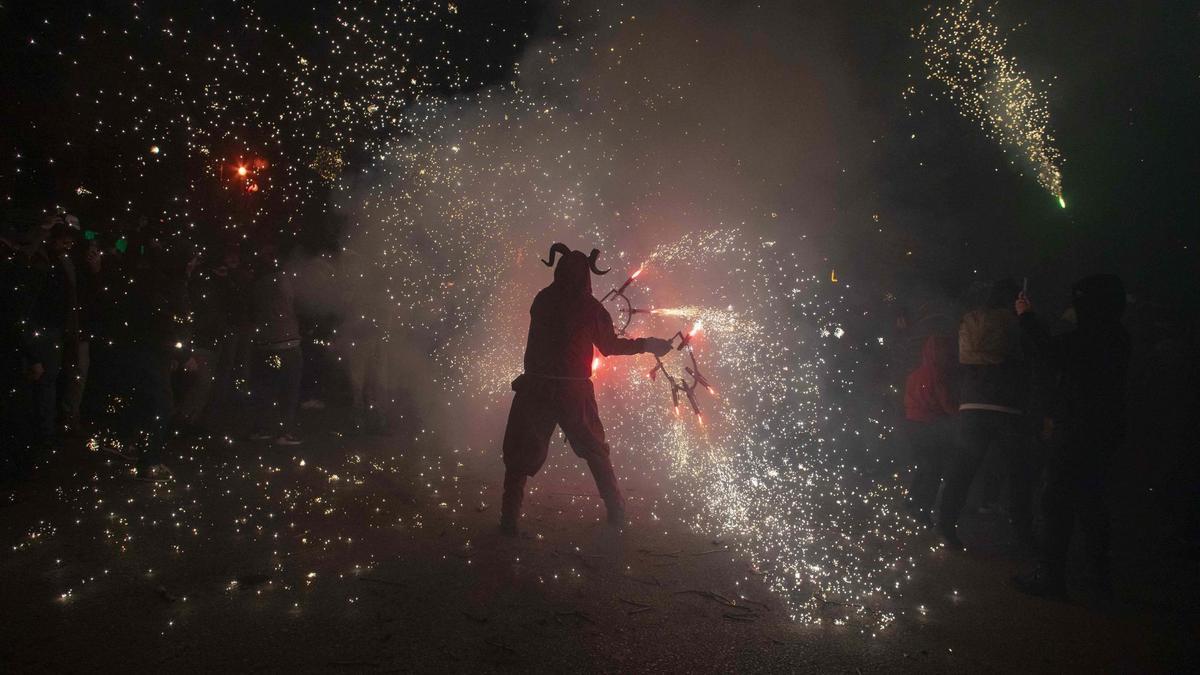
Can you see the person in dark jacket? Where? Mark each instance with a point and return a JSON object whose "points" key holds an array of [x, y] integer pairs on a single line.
{"points": [[1088, 413], [85, 267], [992, 402], [276, 366], [209, 289], [20, 364], [233, 357], [566, 321], [930, 408], [148, 337], [54, 318]]}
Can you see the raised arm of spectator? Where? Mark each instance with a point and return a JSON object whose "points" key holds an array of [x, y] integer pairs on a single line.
{"points": [[1034, 333]]}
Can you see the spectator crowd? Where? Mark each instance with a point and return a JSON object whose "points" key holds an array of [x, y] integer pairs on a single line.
{"points": [[130, 339]]}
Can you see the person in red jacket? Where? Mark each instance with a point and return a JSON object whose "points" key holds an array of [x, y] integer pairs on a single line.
{"points": [[930, 406], [566, 321]]}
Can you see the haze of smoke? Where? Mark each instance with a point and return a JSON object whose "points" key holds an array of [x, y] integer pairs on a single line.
{"points": [[621, 130]]}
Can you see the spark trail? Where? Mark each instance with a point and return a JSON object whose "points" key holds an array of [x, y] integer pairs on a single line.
{"points": [[967, 53]]}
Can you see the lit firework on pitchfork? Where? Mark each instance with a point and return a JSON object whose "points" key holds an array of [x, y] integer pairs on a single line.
{"points": [[679, 384], [619, 294]]}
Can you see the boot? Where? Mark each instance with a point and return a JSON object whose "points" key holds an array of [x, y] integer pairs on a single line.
{"points": [[606, 483], [510, 505], [616, 513], [1043, 582], [949, 535]]}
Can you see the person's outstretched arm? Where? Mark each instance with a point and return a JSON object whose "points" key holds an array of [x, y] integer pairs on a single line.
{"points": [[605, 337]]}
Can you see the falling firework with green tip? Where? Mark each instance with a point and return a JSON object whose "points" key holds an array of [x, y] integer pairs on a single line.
{"points": [[965, 50]]}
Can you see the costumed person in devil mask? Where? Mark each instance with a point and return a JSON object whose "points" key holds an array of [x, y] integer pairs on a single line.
{"points": [[556, 388]]}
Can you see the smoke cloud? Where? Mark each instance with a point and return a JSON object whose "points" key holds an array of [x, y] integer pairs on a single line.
{"points": [[619, 129]]}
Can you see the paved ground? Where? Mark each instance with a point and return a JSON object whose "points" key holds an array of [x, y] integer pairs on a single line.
{"points": [[379, 554]]}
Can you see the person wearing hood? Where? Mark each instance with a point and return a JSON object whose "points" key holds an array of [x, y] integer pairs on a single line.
{"points": [[566, 322], [930, 408], [992, 402], [20, 363], [85, 265], [55, 320], [277, 365], [1088, 414], [146, 337]]}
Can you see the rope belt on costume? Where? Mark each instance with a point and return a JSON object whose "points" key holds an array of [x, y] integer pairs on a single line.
{"points": [[559, 377]]}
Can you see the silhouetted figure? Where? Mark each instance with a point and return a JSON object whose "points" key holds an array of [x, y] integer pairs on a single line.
{"points": [[85, 269], [276, 366], [20, 362], [992, 403], [149, 336], [930, 409], [566, 321], [211, 288], [55, 320], [1088, 413], [362, 342]]}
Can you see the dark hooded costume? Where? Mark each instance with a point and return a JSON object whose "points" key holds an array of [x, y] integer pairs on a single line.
{"points": [[566, 321], [1088, 409]]}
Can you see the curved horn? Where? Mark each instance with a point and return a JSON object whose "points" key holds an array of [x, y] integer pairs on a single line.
{"points": [[592, 261], [557, 248]]}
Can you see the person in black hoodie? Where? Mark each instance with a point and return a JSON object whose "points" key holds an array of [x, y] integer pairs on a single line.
{"points": [[277, 366], [85, 269], [149, 336], [54, 319], [209, 288], [1088, 413], [20, 363]]}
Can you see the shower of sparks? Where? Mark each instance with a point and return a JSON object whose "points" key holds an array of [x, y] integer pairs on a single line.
{"points": [[770, 470], [460, 197], [216, 84], [965, 50]]}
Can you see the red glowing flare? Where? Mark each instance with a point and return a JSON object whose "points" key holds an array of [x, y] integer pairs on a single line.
{"points": [[696, 328], [677, 411], [595, 363], [242, 171], [700, 418], [639, 271]]}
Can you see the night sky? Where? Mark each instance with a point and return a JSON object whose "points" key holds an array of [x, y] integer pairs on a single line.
{"points": [[1121, 110]]}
